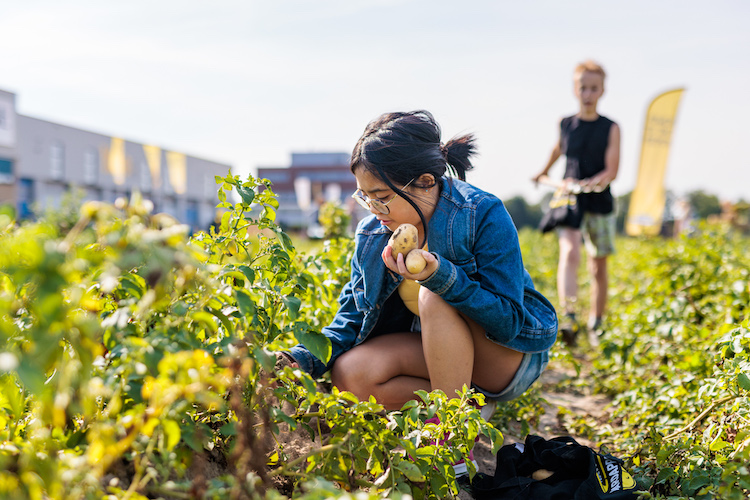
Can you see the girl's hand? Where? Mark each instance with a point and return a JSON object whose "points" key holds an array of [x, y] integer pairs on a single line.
{"points": [[284, 359], [399, 266]]}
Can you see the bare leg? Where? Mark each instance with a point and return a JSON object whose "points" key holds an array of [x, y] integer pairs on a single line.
{"points": [[457, 352], [598, 268], [390, 367], [567, 268]]}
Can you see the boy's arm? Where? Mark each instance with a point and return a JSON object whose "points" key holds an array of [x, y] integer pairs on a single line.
{"points": [[611, 161], [556, 152]]}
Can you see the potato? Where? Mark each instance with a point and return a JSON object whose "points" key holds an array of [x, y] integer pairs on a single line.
{"points": [[403, 240], [541, 474], [414, 261]]}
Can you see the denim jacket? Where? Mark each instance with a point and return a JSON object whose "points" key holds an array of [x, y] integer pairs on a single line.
{"points": [[481, 274]]}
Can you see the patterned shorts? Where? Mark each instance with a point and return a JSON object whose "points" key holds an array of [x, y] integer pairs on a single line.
{"points": [[599, 233]]}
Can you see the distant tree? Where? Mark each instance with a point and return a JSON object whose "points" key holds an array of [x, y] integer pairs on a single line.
{"points": [[704, 204], [522, 213]]}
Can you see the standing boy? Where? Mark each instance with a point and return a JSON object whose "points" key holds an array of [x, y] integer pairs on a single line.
{"points": [[591, 145]]}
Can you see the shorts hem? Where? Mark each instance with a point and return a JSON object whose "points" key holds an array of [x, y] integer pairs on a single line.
{"points": [[531, 368]]}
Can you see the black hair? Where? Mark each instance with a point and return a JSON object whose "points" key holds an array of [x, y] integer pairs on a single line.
{"points": [[399, 147]]}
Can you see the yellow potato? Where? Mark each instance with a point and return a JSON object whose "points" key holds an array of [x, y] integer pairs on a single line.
{"points": [[404, 240], [541, 474], [414, 261]]}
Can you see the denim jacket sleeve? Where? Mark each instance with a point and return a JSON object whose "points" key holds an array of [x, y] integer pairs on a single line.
{"points": [[493, 294], [342, 332]]}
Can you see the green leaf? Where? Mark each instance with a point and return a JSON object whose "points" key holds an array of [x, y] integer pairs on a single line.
{"points": [[247, 194], [191, 437], [318, 344], [228, 429], [665, 475], [286, 241], [497, 439], [244, 303], [744, 381], [228, 326], [132, 286], [411, 471], [31, 376], [292, 304], [698, 481], [206, 319], [268, 213], [248, 271], [13, 395]]}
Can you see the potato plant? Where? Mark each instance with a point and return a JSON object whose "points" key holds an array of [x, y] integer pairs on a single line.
{"points": [[136, 361], [676, 360]]}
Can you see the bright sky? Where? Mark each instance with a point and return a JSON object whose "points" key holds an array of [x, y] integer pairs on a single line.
{"points": [[248, 82]]}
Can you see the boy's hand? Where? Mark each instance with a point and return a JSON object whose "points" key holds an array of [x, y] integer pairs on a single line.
{"points": [[399, 266], [597, 183], [538, 177]]}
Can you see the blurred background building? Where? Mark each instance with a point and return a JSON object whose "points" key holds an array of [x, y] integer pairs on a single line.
{"points": [[41, 161], [311, 180]]}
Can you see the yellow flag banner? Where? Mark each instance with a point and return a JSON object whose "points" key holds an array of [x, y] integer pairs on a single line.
{"points": [[649, 196], [117, 163], [153, 159], [177, 168]]}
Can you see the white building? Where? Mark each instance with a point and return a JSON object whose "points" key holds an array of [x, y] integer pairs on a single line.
{"points": [[41, 160]]}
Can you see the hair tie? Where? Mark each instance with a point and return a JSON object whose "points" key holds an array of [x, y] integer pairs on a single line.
{"points": [[444, 151]]}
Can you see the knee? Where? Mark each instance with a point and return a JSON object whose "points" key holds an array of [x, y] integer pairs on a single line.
{"points": [[598, 266], [570, 255], [429, 303], [347, 372]]}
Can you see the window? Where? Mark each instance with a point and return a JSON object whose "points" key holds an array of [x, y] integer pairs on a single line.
{"points": [[25, 198], [192, 216], [6, 167], [91, 166], [6, 171], [57, 161]]}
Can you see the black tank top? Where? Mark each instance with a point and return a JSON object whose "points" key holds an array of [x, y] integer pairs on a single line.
{"points": [[583, 143]]}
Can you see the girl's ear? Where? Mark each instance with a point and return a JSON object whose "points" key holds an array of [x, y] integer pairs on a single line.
{"points": [[425, 181]]}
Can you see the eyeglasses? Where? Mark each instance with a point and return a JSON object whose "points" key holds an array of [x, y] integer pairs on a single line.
{"points": [[368, 204]]}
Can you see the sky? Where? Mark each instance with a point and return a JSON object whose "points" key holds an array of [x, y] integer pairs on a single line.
{"points": [[249, 82]]}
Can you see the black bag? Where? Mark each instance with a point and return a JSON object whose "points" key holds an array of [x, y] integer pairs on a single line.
{"points": [[563, 211], [578, 473]]}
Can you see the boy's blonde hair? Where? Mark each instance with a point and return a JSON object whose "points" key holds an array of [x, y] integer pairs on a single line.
{"points": [[591, 67]]}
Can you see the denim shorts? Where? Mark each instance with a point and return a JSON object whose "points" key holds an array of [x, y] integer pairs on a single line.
{"points": [[532, 366]]}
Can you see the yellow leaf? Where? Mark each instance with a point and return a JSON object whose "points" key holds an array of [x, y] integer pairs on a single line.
{"points": [[171, 433], [95, 452]]}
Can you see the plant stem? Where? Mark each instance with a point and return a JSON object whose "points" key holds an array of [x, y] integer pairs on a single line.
{"points": [[702, 415], [299, 460], [162, 491]]}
